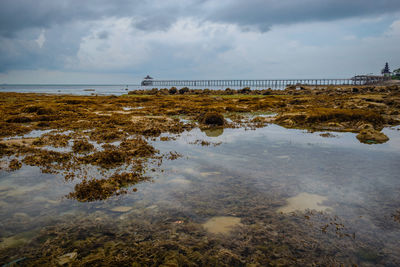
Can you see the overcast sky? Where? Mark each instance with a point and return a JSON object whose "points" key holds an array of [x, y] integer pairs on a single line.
{"points": [[121, 41]]}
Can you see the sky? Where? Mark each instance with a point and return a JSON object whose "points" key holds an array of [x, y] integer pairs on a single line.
{"points": [[121, 41]]}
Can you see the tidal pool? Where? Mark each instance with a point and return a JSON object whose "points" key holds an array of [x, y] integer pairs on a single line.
{"points": [[265, 196]]}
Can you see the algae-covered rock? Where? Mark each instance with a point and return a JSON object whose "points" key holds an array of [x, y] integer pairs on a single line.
{"points": [[371, 136], [213, 118]]}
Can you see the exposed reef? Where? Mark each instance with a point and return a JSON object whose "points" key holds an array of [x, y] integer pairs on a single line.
{"points": [[68, 134]]}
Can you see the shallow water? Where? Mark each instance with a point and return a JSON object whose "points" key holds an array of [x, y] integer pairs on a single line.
{"points": [[291, 186], [75, 89]]}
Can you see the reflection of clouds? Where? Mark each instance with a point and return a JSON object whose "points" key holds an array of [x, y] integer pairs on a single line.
{"points": [[394, 137], [278, 134]]}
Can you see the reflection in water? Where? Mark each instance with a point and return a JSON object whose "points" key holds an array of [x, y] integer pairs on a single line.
{"points": [[352, 194], [214, 132]]}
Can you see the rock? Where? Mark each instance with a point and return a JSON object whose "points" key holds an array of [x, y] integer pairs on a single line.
{"points": [[371, 136], [213, 118], [67, 258]]}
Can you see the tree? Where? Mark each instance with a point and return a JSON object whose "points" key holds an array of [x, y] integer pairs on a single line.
{"points": [[396, 74]]}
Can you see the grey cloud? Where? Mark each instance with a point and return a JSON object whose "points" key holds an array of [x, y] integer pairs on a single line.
{"points": [[62, 43], [103, 35], [154, 22], [264, 14], [67, 21], [16, 15]]}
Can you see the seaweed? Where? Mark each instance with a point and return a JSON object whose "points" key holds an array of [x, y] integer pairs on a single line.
{"points": [[100, 189], [14, 165], [82, 146]]}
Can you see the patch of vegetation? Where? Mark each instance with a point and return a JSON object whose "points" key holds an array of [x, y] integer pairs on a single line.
{"points": [[82, 146]]}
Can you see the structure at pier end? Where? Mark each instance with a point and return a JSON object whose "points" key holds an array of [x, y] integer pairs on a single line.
{"points": [[386, 71], [148, 80]]}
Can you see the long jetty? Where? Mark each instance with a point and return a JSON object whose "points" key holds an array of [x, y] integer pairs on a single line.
{"points": [[356, 80]]}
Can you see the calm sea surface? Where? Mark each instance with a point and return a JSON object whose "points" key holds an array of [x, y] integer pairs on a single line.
{"points": [[88, 89], [77, 89]]}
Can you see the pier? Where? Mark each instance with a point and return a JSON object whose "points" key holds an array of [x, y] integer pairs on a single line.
{"points": [[356, 80]]}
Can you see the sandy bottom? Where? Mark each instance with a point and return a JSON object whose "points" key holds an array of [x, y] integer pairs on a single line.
{"points": [[303, 202], [221, 224], [121, 209], [180, 181]]}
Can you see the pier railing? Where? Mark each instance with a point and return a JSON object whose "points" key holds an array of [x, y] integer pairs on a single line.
{"points": [[356, 80]]}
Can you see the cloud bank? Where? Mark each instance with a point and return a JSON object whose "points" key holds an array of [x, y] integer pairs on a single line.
{"points": [[195, 39]]}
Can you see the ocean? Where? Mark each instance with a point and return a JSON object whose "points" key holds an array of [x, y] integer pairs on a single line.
{"points": [[75, 89], [95, 89]]}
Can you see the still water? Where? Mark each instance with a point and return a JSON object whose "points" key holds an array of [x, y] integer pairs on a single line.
{"points": [[256, 196], [75, 89]]}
